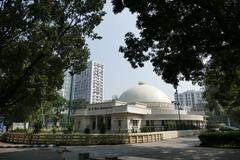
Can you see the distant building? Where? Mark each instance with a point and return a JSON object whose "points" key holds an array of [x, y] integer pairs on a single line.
{"points": [[190, 98], [185, 108], [89, 84], [65, 91], [138, 107]]}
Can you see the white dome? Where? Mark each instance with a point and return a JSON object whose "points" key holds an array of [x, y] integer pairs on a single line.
{"points": [[144, 93]]}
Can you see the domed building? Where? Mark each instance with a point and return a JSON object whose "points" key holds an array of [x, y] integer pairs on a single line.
{"points": [[144, 93], [139, 107]]}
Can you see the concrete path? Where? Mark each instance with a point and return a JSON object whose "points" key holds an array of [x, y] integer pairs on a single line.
{"points": [[174, 149], [11, 145]]}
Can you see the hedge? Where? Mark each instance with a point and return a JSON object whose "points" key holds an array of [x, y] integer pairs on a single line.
{"points": [[228, 139]]}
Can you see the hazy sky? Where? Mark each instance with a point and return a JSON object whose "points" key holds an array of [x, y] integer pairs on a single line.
{"points": [[118, 74]]}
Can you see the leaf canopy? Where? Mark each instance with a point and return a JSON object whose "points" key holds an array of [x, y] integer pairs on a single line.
{"points": [[39, 40], [188, 40]]}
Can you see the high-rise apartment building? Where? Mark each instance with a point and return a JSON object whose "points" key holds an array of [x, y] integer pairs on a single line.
{"points": [[190, 98], [89, 84], [65, 91]]}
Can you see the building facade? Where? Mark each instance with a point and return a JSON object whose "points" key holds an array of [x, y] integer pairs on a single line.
{"points": [[65, 91], [138, 107], [190, 98], [89, 85]]}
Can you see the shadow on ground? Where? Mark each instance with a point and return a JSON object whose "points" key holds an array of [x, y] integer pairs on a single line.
{"points": [[30, 155], [177, 149]]}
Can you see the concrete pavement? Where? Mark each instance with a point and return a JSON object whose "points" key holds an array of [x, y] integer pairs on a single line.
{"points": [[11, 145], [185, 148]]}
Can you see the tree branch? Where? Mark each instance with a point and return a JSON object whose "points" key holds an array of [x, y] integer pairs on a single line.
{"points": [[17, 100], [15, 87]]}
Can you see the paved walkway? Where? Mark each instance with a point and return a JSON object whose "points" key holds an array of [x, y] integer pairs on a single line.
{"points": [[11, 145], [174, 149]]}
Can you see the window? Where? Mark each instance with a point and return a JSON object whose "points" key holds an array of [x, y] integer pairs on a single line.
{"points": [[162, 123], [119, 123], [152, 122], [135, 122], [147, 122]]}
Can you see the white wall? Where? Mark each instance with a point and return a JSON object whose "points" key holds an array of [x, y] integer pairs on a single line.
{"points": [[175, 134], [114, 122], [130, 119]]}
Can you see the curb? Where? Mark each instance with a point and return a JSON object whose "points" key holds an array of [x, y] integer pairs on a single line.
{"points": [[28, 146]]}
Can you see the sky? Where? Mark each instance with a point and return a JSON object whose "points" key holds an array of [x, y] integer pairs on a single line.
{"points": [[118, 73]]}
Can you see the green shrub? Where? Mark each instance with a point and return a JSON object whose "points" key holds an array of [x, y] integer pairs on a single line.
{"points": [[169, 127], [54, 130], [220, 139], [147, 129], [70, 129], [18, 130], [166, 127], [37, 127], [225, 129]]}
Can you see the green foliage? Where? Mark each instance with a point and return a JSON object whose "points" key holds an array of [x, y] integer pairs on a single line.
{"points": [[37, 127], [103, 128], [220, 139], [189, 40], [18, 130], [166, 127], [58, 104], [179, 126], [79, 103], [70, 128], [147, 129], [50, 110], [169, 127], [39, 41], [223, 103], [54, 130]]}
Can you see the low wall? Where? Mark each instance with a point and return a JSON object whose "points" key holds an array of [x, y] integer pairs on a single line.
{"points": [[90, 139], [131, 138], [182, 133], [64, 139]]}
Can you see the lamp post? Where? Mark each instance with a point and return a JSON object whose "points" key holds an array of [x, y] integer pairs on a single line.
{"points": [[177, 104], [70, 97]]}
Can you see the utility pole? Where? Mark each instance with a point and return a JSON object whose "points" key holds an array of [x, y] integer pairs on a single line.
{"points": [[70, 97]]}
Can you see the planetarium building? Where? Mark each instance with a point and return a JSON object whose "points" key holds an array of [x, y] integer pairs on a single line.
{"points": [[138, 107]]}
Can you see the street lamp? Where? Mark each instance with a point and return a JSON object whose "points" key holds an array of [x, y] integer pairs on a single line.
{"points": [[70, 96], [177, 104]]}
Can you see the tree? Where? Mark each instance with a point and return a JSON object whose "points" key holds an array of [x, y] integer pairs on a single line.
{"points": [[212, 93], [79, 103], [58, 106], [188, 40], [39, 40], [209, 96], [50, 111]]}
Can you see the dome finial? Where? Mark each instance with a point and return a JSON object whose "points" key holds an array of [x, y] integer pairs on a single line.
{"points": [[141, 83]]}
